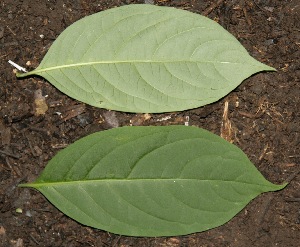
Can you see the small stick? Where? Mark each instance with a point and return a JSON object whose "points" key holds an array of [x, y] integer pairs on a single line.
{"points": [[264, 208], [10, 154], [116, 242], [247, 17], [292, 199], [11, 31], [212, 7], [18, 67], [267, 203], [264, 152], [13, 168], [34, 240], [9, 44], [292, 176], [44, 131], [226, 127]]}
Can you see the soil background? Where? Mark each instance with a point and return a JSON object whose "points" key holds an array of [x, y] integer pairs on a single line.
{"points": [[263, 111]]}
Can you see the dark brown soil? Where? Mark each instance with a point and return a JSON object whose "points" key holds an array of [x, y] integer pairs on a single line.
{"points": [[263, 110]]}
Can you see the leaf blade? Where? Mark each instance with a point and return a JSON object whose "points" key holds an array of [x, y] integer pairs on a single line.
{"points": [[151, 181], [146, 58]]}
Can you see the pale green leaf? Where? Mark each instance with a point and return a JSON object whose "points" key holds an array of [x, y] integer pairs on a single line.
{"points": [[151, 181], [145, 58]]}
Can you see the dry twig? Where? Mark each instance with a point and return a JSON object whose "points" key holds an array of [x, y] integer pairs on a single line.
{"points": [[208, 10]]}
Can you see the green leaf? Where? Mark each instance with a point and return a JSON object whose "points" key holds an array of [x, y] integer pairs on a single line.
{"points": [[151, 181], [145, 58]]}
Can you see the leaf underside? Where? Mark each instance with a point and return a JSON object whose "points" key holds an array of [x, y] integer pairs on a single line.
{"points": [[143, 58], [151, 181]]}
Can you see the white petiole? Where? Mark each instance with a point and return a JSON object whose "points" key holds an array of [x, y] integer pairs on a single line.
{"points": [[18, 67]]}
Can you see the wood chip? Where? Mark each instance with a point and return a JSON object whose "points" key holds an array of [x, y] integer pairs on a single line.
{"points": [[40, 103]]}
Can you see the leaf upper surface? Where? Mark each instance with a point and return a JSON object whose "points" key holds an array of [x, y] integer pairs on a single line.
{"points": [[151, 181], [143, 58]]}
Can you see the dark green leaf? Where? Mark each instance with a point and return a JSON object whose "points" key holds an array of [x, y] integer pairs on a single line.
{"points": [[151, 181]]}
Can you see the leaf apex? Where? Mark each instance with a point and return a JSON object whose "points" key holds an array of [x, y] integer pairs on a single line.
{"points": [[277, 187], [271, 69], [268, 68], [282, 186]]}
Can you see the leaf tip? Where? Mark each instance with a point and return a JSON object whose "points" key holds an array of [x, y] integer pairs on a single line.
{"points": [[271, 69], [282, 186], [268, 68], [279, 186]]}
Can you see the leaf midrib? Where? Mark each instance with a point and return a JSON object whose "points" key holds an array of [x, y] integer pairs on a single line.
{"points": [[65, 183], [118, 62]]}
